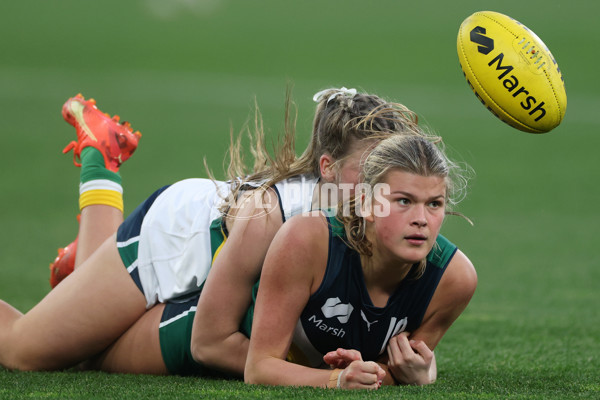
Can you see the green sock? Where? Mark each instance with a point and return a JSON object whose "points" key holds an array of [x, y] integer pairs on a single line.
{"points": [[98, 185], [93, 167]]}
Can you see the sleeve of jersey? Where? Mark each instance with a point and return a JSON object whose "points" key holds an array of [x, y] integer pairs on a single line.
{"points": [[442, 252]]}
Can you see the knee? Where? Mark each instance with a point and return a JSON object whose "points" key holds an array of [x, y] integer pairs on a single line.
{"points": [[25, 358], [16, 359]]}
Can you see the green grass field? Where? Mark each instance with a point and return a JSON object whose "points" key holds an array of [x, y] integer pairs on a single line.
{"points": [[185, 72]]}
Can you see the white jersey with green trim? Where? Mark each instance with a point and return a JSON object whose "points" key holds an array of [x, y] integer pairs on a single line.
{"points": [[174, 254]]}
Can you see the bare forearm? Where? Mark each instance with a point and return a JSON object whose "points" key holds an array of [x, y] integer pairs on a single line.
{"points": [[274, 371]]}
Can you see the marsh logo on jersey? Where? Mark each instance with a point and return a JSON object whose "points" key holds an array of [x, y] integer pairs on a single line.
{"points": [[334, 307]]}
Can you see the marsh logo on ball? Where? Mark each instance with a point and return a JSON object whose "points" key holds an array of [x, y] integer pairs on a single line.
{"points": [[485, 43]]}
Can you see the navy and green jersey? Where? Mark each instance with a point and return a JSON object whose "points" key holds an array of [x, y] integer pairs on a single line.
{"points": [[340, 313]]}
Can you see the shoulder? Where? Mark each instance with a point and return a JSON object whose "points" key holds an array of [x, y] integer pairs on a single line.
{"points": [[306, 231], [459, 280], [258, 207], [299, 251], [254, 201]]}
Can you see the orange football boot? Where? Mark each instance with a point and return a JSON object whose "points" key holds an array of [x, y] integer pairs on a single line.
{"points": [[63, 264], [114, 140]]}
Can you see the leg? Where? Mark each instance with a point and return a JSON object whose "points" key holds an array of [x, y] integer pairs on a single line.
{"points": [[137, 351], [78, 319], [98, 222], [102, 145]]}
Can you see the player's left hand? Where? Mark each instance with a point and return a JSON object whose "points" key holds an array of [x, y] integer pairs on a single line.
{"points": [[341, 358], [410, 361]]}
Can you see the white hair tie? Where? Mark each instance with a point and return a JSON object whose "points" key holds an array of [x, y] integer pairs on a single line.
{"points": [[337, 92]]}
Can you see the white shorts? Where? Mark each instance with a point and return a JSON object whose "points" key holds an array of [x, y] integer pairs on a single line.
{"points": [[174, 243]]}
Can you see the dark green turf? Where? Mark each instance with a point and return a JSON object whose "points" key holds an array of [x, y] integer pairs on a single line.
{"points": [[184, 73]]}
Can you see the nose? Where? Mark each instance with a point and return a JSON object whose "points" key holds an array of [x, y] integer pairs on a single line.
{"points": [[418, 217]]}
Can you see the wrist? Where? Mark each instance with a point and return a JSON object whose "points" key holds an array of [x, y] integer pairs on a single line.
{"points": [[335, 379]]}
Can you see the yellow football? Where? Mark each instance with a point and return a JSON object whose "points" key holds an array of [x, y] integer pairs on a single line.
{"points": [[512, 72]]}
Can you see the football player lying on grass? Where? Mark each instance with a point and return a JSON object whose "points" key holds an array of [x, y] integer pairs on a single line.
{"points": [[142, 323], [358, 279]]}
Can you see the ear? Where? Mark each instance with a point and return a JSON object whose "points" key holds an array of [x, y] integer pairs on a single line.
{"points": [[327, 168], [366, 208]]}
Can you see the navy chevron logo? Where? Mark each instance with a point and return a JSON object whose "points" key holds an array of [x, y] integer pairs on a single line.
{"points": [[485, 43]]}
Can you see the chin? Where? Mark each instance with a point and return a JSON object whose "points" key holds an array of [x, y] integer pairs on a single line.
{"points": [[414, 257]]}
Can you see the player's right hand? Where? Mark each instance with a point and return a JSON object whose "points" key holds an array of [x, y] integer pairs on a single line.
{"points": [[362, 375]]}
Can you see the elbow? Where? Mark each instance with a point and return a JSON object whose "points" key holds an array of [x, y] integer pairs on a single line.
{"points": [[201, 353], [207, 346], [251, 375], [253, 379]]}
